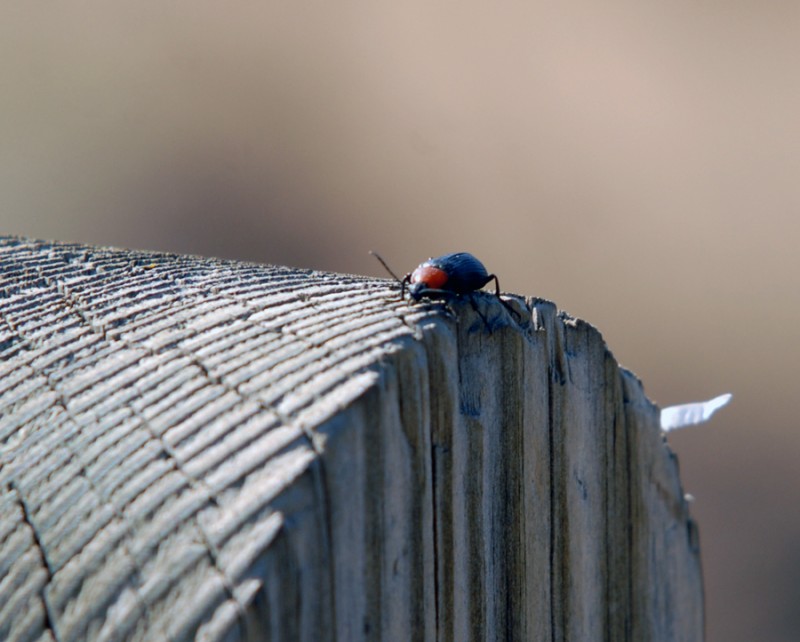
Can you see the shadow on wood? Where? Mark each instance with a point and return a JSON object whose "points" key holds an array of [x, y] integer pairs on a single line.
{"points": [[199, 449]]}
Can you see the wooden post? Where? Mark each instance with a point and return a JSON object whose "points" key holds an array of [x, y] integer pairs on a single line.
{"points": [[201, 449]]}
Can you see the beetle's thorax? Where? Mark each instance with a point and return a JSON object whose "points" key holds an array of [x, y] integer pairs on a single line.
{"points": [[429, 276]]}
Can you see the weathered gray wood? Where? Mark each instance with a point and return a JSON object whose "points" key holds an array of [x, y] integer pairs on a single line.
{"points": [[192, 448]]}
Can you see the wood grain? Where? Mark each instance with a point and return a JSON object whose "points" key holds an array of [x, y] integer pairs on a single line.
{"points": [[212, 450]]}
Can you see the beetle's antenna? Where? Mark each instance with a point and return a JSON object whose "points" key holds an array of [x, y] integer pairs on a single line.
{"points": [[384, 264]]}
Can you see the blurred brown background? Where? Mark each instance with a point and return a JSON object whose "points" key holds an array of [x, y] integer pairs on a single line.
{"points": [[638, 163]]}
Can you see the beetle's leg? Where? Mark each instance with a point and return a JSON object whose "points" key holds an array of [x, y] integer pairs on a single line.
{"points": [[447, 307], [506, 305], [406, 279], [496, 284], [430, 297], [445, 296]]}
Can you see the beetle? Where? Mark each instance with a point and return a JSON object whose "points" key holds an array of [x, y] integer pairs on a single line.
{"points": [[446, 276]]}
